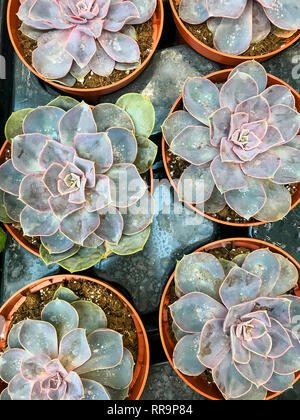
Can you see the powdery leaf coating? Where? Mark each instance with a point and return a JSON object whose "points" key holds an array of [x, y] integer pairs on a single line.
{"points": [[193, 310], [106, 351], [201, 98], [196, 184], [193, 144], [177, 122], [62, 316], [199, 272], [239, 286], [185, 356], [91, 316], [249, 125], [249, 342], [214, 344], [118, 377]]}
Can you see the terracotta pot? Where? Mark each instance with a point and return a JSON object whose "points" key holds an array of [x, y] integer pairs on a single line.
{"points": [[221, 77], [16, 233], [13, 25], [198, 384], [218, 56], [141, 369]]}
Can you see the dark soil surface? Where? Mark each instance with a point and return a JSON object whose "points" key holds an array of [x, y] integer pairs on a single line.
{"points": [[118, 315], [144, 39]]}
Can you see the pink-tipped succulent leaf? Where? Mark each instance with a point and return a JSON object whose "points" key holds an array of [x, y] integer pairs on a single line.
{"points": [[236, 24], [241, 139], [69, 355], [237, 321]]}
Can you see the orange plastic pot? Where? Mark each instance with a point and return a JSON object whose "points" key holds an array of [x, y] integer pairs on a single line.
{"points": [[197, 383], [16, 233], [218, 56], [141, 369], [221, 77], [13, 26]]}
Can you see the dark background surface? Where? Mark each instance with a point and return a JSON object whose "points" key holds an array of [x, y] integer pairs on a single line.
{"points": [[141, 277]]}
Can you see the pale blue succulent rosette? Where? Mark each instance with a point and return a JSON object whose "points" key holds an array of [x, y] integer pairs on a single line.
{"points": [[237, 24], [238, 319], [74, 178], [76, 37], [241, 143], [69, 354]]}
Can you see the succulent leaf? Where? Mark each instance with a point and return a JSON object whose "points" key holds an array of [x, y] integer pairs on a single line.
{"points": [[141, 112], [62, 316], [193, 144], [118, 377], [185, 355], [200, 307], [214, 344], [229, 380], [200, 272], [239, 280], [131, 244], [91, 316], [14, 125], [201, 98], [196, 184]]}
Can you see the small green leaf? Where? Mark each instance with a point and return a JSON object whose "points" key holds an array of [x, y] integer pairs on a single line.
{"points": [[64, 102], [66, 294], [2, 239], [84, 259], [141, 111], [129, 245], [14, 125], [4, 218], [147, 151], [56, 258]]}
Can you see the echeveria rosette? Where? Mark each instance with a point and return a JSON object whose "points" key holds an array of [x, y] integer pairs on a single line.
{"points": [[236, 320], [75, 37], [74, 178], [236, 24], [69, 354], [242, 143]]}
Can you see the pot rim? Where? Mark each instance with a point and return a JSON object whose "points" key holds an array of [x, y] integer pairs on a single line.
{"points": [[163, 312], [18, 298], [165, 147], [103, 90], [17, 234], [240, 58]]}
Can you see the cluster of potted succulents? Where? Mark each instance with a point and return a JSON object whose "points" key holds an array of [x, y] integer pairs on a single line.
{"points": [[76, 186]]}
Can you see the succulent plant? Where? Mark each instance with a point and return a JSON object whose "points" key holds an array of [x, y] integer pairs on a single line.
{"points": [[236, 24], [75, 37], [69, 354], [73, 179], [241, 141], [237, 321]]}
